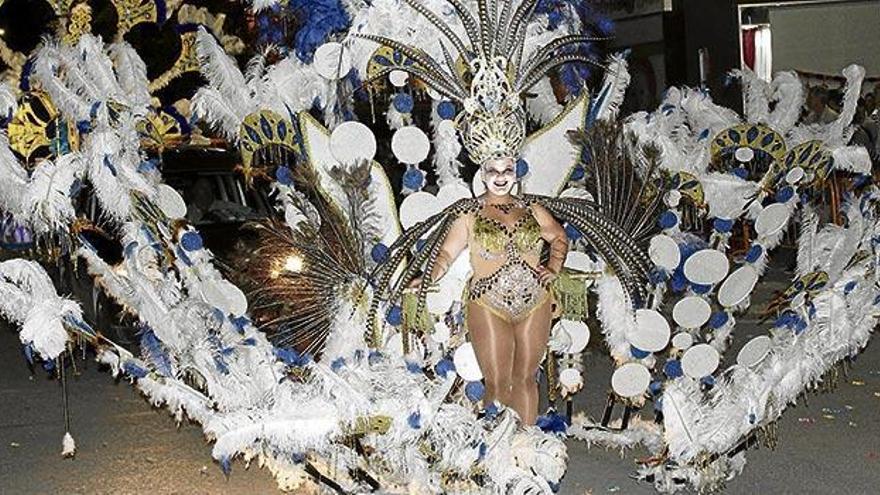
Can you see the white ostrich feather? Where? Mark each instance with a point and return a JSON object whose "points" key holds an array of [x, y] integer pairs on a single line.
{"points": [[131, 72], [788, 93], [755, 93], [617, 79], [223, 74]]}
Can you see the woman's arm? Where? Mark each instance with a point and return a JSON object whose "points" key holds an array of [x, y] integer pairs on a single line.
{"points": [[555, 236], [455, 242]]}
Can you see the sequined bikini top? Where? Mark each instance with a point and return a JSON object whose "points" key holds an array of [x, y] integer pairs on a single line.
{"points": [[494, 236]]}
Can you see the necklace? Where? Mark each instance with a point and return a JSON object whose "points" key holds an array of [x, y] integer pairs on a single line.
{"points": [[505, 207]]}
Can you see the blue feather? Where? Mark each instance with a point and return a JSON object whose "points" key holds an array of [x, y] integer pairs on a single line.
{"points": [[154, 352]]}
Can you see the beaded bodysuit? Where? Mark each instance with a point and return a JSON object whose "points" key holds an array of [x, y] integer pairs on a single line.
{"points": [[504, 260]]}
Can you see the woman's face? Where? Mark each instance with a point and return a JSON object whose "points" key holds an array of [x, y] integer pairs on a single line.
{"points": [[499, 175]]}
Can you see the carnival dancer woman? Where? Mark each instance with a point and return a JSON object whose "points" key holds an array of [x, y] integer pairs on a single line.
{"points": [[508, 301]]}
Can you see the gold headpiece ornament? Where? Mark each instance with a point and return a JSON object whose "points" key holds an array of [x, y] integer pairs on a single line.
{"points": [[493, 123]]}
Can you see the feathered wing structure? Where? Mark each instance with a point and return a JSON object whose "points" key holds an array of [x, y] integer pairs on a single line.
{"points": [[318, 264], [620, 219]]}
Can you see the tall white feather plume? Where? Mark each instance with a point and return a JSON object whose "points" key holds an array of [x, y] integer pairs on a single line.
{"points": [[47, 202], [13, 178], [543, 107], [788, 93], [223, 74], [99, 68], [840, 132], [132, 74], [50, 57], [755, 93], [614, 86], [28, 298], [209, 105]]}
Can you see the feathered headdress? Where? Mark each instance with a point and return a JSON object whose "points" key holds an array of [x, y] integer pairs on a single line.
{"points": [[493, 123]]}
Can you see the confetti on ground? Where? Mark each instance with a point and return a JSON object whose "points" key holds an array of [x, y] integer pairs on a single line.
{"points": [[806, 420], [828, 416], [852, 424], [15, 444], [858, 383], [613, 489], [876, 394], [848, 407]]}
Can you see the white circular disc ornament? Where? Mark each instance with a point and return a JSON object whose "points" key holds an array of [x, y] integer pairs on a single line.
{"points": [[332, 61], [754, 351], [683, 341], [466, 363], [416, 207], [351, 142], [578, 261], [170, 202], [410, 145], [398, 78], [744, 154], [794, 175], [441, 332], [225, 296], [664, 252], [450, 193], [691, 312], [438, 301], [578, 333], [630, 380], [771, 219], [672, 198], [700, 360], [738, 286], [571, 378], [576, 192], [706, 267], [652, 331]]}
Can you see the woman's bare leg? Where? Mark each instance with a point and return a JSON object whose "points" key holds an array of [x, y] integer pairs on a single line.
{"points": [[531, 337], [493, 341]]}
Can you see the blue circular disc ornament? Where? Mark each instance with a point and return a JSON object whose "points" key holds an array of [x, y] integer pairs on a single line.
{"points": [[446, 109], [722, 225], [403, 102], [672, 368], [379, 253], [668, 220], [395, 315], [474, 391], [284, 175], [522, 168], [717, 320], [413, 179], [638, 353], [784, 194], [577, 173], [754, 253], [191, 241]]}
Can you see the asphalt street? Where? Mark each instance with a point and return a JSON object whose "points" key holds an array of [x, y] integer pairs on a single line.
{"points": [[829, 444]]}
